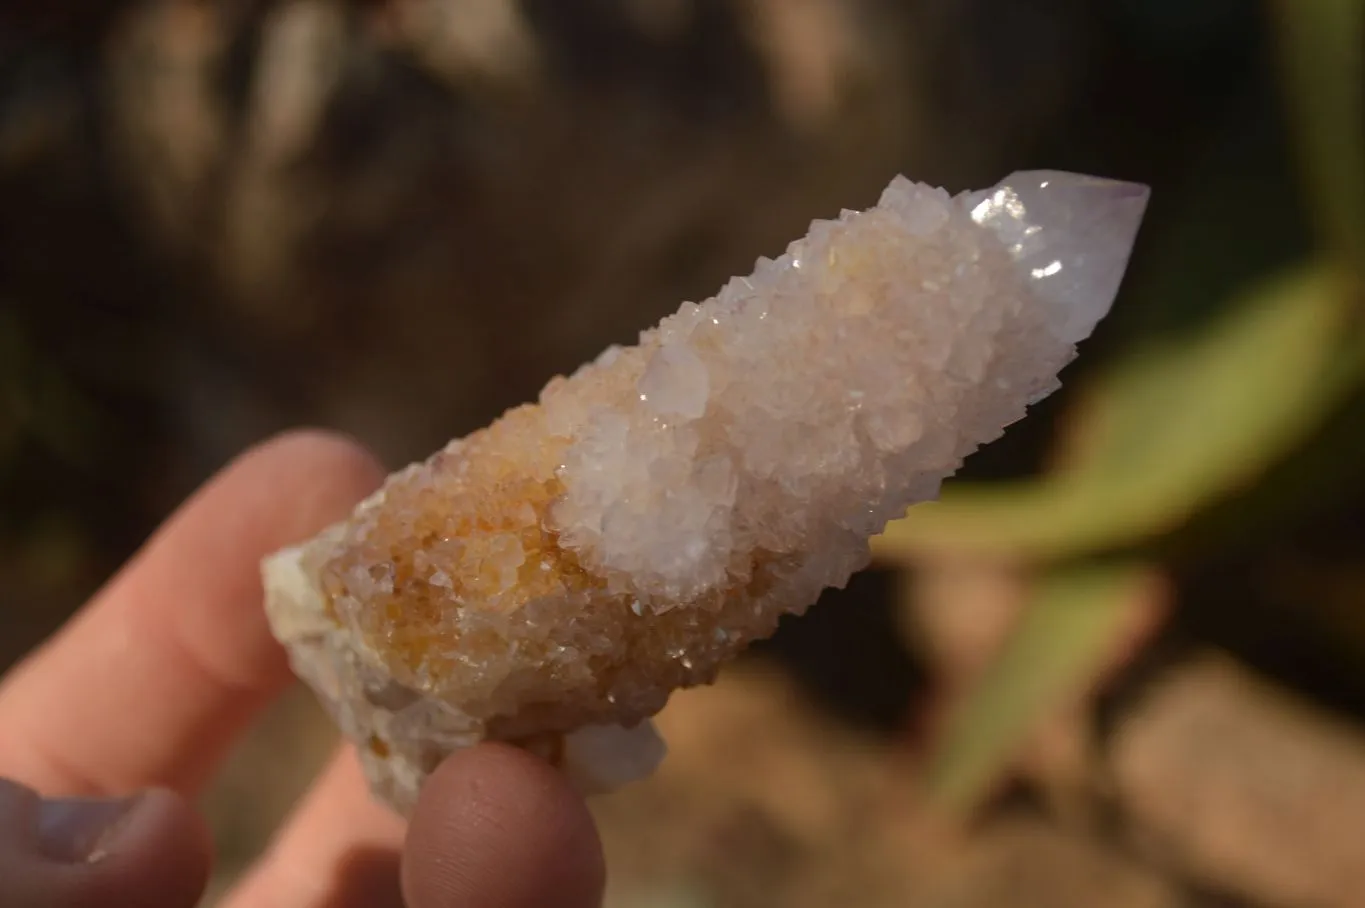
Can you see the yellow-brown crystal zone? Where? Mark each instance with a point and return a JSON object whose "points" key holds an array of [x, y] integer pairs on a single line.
{"points": [[458, 581]]}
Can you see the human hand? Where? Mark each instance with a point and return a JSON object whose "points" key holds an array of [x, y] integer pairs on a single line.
{"points": [[123, 716]]}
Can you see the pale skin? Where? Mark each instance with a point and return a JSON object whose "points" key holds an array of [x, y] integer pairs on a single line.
{"points": [[134, 703]]}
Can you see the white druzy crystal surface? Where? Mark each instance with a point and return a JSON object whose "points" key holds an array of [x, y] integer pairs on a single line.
{"points": [[550, 579]]}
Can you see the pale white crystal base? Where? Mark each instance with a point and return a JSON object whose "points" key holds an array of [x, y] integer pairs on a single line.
{"points": [[602, 758]]}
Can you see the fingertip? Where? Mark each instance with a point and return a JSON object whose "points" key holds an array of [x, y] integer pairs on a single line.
{"points": [[151, 852], [318, 445], [161, 848], [496, 826], [332, 466]]}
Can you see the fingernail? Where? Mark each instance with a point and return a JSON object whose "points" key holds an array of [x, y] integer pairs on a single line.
{"points": [[82, 830]]}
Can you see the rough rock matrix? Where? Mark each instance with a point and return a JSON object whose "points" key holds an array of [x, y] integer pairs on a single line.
{"points": [[550, 579]]}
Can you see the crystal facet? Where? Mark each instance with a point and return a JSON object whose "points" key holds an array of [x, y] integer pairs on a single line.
{"points": [[550, 579]]}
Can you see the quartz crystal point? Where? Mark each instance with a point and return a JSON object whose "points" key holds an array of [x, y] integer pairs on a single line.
{"points": [[550, 579]]}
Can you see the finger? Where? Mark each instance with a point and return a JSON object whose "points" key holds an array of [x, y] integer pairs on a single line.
{"points": [[496, 826], [150, 851], [340, 849], [157, 674]]}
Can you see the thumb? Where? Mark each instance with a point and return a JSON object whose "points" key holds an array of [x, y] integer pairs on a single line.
{"points": [[147, 851]]}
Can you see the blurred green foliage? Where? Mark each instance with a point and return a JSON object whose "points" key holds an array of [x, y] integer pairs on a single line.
{"points": [[1175, 426], [1170, 427], [1064, 638]]}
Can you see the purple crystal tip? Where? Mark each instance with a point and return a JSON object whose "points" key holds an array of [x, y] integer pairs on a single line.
{"points": [[1072, 233]]}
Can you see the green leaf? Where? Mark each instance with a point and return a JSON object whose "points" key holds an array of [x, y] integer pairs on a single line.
{"points": [[1076, 620], [1175, 425], [1322, 54]]}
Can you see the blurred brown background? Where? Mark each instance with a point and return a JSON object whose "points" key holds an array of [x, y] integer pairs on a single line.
{"points": [[1123, 664]]}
